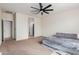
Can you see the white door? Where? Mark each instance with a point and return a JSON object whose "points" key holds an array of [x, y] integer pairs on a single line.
{"points": [[7, 29]]}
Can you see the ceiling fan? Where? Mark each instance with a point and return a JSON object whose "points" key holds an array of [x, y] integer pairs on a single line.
{"points": [[42, 9]]}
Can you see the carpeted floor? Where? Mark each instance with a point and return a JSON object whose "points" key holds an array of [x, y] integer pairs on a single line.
{"points": [[24, 47]]}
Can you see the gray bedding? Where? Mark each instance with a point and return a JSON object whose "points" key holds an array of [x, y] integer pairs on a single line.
{"points": [[68, 45]]}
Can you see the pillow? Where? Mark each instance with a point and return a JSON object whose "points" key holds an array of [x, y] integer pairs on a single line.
{"points": [[66, 35]]}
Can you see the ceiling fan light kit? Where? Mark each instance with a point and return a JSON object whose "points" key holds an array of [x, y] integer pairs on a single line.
{"points": [[42, 9]]}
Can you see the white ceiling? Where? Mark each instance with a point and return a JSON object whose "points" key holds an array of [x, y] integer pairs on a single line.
{"points": [[26, 7]]}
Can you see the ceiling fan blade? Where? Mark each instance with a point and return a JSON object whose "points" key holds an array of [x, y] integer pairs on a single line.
{"points": [[40, 5], [48, 6], [35, 8], [36, 12], [49, 10], [45, 12]]}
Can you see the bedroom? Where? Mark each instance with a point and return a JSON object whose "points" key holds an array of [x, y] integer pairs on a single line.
{"points": [[63, 19]]}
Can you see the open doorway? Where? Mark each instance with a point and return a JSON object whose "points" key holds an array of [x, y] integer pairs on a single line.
{"points": [[7, 30], [31, 25]]}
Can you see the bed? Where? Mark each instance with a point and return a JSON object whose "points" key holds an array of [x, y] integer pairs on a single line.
{"points": [[63, 42]]}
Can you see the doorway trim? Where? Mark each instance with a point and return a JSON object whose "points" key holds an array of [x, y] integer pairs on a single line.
{"points": [[2, 26], [30, 21]]}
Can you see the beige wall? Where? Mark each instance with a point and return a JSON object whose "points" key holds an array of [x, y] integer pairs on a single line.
{"points": [[67, 21], [7, 16], [21, 26]]}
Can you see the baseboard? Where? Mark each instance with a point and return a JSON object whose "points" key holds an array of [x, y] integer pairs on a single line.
{"points": [[38, 36], [20, 39], [28, 38]]}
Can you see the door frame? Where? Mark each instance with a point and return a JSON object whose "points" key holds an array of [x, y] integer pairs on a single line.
{"points": [[33, 27], [2, 25]]}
